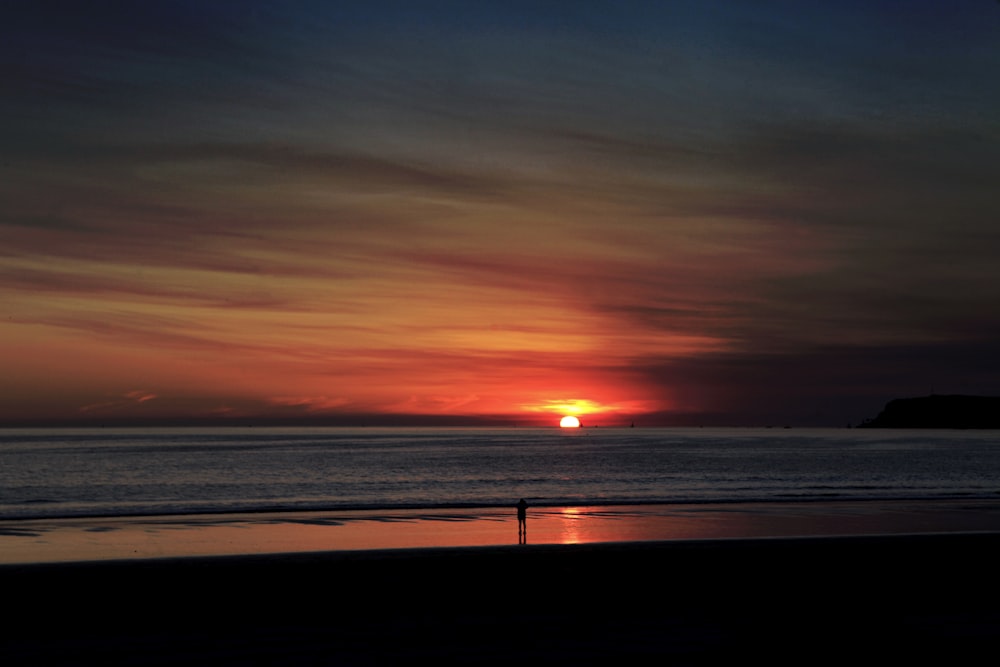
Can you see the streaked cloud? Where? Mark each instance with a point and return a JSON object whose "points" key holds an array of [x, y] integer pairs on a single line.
{"points": [[677, 209]]}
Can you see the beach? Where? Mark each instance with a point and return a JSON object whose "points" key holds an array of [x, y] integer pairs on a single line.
{"points": [[847, 590], [213, 534]]}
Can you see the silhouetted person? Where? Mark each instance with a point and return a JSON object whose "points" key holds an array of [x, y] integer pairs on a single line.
{"points": [[522, 522]]}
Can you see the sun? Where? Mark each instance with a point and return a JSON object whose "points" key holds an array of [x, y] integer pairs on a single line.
{"points": [[569, 421]]}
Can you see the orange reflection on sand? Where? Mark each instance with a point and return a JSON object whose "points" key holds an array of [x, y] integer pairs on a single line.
{"points": [[569, 528], [586, 525]]}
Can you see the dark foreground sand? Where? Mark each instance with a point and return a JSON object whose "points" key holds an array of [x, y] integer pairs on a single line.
{"points": [[815, 600]]}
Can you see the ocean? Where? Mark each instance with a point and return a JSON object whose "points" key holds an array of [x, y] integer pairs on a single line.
{"points": [[58, 473]]}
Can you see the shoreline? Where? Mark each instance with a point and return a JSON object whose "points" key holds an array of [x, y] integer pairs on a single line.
{"points": [[24, 541]]}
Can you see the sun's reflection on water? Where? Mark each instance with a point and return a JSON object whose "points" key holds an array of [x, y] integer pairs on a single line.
{"points": [[569, 525]]}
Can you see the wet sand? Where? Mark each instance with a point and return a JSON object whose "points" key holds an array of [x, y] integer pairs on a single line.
{"points": [[70, 540], [807, 599]]}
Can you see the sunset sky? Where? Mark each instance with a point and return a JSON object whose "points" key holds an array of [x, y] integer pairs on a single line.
{"points": [[688, 212]]}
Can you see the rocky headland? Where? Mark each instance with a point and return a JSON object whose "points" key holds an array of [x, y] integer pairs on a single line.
{"points": [[939, 411]]}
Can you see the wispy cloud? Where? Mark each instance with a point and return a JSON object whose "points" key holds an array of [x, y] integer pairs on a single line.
{"points": [[126, 400], [327, 208]]}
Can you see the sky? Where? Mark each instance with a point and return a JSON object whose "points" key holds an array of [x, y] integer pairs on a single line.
{"points": [[699, 212]]}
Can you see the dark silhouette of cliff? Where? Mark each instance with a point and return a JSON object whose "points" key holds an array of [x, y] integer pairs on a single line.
{"points": [[946, 411]]}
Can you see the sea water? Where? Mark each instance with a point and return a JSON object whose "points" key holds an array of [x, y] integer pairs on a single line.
{"points": [[127, 472]]}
